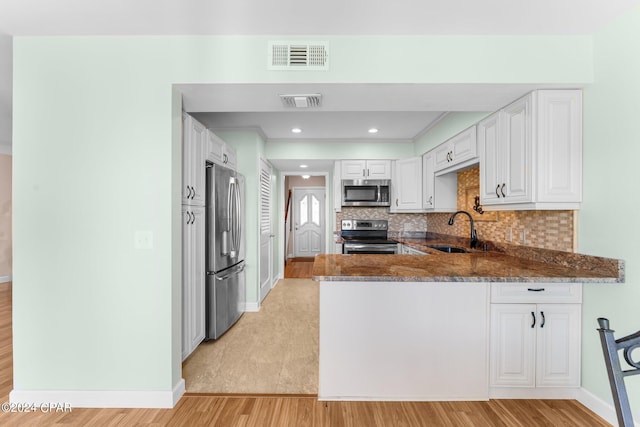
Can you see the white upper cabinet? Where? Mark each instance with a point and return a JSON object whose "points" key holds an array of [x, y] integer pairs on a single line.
{"points": [[219, 152], [193, 161], [337, 187], [531, 153], [439, 193], [406, 185], [366, 169], [460, 149]]}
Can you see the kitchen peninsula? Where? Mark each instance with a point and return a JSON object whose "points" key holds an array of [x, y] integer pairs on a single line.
{"points": [[442, 326]]}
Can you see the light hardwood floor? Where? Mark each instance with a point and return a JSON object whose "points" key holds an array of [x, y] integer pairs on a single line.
{"points": [[298, 411], [298, 268]]}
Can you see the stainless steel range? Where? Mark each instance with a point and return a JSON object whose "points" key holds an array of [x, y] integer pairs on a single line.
{"points": [[367, 236]]}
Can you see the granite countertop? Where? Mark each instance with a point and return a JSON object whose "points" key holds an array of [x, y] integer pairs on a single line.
{"points": [[500, 263]]}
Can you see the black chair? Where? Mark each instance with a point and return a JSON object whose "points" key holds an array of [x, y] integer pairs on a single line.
{"points": [[610, 348]]}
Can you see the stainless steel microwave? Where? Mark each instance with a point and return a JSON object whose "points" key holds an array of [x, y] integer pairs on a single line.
{"points": [[366, 192]]}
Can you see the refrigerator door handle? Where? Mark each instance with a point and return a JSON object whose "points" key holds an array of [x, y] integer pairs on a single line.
{"points": [[234, 270], [238, 233]]}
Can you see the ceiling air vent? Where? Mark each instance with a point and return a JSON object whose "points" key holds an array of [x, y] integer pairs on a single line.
{"points": [[301, 101], [298, 56]]}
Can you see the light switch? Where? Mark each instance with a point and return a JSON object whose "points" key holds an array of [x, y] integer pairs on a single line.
{"points": [[143, 239]]}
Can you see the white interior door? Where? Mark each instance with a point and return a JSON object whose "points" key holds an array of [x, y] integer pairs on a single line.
{"points": [[266, 253], [309, 221]]}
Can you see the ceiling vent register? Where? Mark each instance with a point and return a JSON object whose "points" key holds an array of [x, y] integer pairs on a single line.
{"points": [[298, 56], [312, 100]]}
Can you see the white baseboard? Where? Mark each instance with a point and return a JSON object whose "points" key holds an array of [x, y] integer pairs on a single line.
{"points": [[534, 393], [252, 306], [603, 409], [5, 279], [405, 398], [101, 399]]}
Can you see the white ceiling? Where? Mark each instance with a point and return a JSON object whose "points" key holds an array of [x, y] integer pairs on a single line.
{"points": [[401, 112], [347, 109], [290, 17]]}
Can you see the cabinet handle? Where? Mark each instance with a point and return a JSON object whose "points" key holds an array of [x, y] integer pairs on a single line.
{"points": [[396, 202], [502, 190], [188, 192], [368, 174], [363, 173], [535, 289], [431, 200], [533, 316], [193, 217], [497, 188], [225, 159], [543, 319], [193, 192], [188, 218]]}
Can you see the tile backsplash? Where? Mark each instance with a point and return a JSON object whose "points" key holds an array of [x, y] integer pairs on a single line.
{"points": [[540, 229]]}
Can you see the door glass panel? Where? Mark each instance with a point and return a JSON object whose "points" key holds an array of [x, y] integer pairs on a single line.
{"points": [[304, 210], [315, 210]]}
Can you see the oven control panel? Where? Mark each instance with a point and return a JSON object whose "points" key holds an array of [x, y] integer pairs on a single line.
{"points": [[365, 224]]}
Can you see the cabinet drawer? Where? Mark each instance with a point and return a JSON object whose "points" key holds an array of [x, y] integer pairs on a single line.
{"points": [[536, 292]]}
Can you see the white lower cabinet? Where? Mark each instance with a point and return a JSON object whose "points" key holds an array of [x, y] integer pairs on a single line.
{"points": [[534, 336], [193, 278]]}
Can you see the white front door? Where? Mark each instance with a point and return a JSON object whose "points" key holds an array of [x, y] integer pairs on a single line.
{"points": [[266, 254], [309, 221]]}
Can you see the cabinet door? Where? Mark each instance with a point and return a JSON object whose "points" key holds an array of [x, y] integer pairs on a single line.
{"points": [[187, 159], [559, 145], [513, 345], [464, 146], [354, 169], [407, 184], [337, 186], [442, 156], [517, 173], [230, 157], [428, 181], [558, 345], [193, 161], [215, 148], [187, 273], [490, 161], [193, 278], [197, 236], [378, 169]]}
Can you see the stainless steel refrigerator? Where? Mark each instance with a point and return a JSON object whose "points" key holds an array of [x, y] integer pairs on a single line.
{"points": [[225, 287]]}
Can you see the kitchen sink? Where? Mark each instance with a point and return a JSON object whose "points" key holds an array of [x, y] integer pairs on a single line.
{"points": [[448, 249]]}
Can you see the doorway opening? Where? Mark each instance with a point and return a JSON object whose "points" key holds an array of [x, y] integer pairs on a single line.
{"points": [[305, 223]]}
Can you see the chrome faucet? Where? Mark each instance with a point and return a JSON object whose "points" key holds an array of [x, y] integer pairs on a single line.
{"points": [[474, 234]]}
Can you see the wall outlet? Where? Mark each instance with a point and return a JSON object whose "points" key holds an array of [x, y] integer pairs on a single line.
{"points": [[143, 239]]}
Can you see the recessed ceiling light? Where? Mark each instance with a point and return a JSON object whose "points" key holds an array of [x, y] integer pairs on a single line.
{"points": [[373, 130], [306, 176], [304, 166], [296, 130]]}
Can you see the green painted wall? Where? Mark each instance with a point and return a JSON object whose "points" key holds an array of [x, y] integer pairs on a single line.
{"points": [[606, 226], [96, 157]]}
